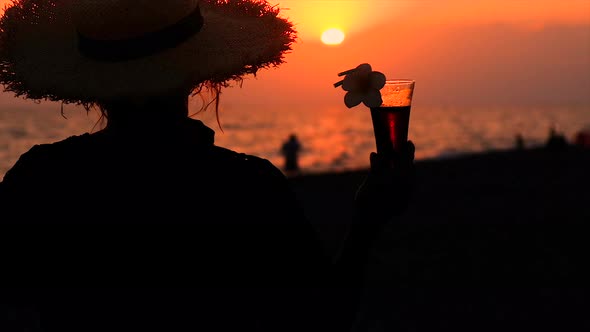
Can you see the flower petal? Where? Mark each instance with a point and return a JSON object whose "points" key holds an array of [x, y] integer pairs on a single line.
{"points": [[364, 69], [353, 98], [351, 82], [372, 98], [377, 80]]}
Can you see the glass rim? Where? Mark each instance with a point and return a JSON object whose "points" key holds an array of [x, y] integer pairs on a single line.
{"points": [[399, 81]]}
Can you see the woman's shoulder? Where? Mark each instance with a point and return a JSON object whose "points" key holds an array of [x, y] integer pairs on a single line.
{"points": [[44, 156], [247, 162], [67, 145]]}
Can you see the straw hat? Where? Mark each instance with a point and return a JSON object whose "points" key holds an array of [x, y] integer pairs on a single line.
{"points": [[86, 51]]}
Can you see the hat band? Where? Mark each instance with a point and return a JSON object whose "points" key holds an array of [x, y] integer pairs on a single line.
{"points": [[148, 44]]}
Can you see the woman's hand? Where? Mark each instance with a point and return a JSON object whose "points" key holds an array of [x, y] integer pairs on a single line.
{"points": [[387, 189], [384, 194]]}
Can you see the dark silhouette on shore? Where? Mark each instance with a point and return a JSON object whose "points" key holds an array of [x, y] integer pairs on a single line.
{"points": [[519, 142], [147, 224], [556, 141], [582, 138], [290, 151]]}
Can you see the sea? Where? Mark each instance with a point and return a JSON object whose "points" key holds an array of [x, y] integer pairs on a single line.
{"points": [[334, 138]]}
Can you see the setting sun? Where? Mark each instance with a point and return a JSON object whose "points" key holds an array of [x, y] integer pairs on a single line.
{"points": [[333, 37]]}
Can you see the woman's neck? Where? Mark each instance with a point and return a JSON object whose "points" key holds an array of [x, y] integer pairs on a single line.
{"points": [[145, 115]]}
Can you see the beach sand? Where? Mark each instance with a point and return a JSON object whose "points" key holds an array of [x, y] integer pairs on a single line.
{"points": [[491, 242]]}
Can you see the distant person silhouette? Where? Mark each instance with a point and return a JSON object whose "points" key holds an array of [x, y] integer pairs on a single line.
{"points": [[582, 138], [555, 141], [290, 150], [147, 224], [519, 142]]}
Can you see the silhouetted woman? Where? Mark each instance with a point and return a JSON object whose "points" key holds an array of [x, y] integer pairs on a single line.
{"points": [[147, 225]]}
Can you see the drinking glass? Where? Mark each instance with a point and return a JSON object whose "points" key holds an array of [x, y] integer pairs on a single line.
{"points": [[391, 119]]}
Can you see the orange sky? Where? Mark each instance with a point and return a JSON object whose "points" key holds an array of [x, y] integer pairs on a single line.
{"points": [[312, 13], [314, 16], [458, 51], [501, 51]]}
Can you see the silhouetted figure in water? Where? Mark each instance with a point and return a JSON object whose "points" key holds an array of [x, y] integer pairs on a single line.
{"points": [[147, 225], [290, 150]]}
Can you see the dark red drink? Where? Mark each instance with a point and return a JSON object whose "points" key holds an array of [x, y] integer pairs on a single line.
{"points": [[390, 126]]}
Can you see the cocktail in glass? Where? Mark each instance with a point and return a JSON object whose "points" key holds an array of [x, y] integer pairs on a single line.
{"points": [[392, 118]]}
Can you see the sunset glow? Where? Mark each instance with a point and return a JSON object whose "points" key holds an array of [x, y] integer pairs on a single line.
{"points": [[477, 43], [313, 17], [333, 37], [516, 59]]}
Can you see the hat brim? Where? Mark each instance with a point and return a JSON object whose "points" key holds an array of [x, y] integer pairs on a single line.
{"points": [[39, 56]]}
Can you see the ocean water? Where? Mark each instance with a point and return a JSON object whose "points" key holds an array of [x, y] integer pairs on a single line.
{"points": [[333, 138]]}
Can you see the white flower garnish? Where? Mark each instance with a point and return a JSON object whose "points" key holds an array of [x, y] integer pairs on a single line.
{"points": [[362, 85]]}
